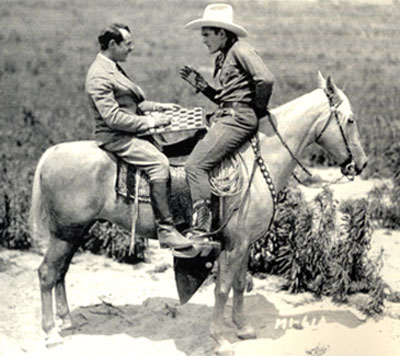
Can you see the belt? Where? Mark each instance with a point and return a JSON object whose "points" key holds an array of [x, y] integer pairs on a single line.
{"points": [[233, 105]]}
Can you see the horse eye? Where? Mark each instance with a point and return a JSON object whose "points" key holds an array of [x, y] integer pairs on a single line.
{"points": [[351, 120]]}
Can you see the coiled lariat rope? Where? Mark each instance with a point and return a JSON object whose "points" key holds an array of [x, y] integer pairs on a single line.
{"points": [[227, 178]]}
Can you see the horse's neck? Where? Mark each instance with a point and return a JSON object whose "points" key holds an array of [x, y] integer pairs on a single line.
{"points": [[296, 124]]}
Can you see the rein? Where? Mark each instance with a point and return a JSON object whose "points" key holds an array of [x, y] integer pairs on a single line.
{"points": [[334, 112]]}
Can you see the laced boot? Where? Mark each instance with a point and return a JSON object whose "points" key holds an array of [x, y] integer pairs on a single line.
{"points": [[201, 221], [168, 236]]}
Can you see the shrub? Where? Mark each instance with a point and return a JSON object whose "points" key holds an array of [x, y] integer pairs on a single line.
{"points": [[307, 247], [112, 241]]}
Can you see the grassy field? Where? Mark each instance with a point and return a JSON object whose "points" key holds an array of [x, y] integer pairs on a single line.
{"points": [[47, 46]]}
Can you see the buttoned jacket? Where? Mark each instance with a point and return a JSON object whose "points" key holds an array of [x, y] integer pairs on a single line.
{"points": [[116, 101]]}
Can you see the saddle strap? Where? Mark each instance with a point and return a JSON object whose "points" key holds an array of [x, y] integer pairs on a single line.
{"points": [[255, 144], [135, 212]]}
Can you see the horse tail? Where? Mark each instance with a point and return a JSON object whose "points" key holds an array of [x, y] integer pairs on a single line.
{"points": [[39, 217]]}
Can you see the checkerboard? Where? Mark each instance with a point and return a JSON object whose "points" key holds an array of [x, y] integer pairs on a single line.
{"points": [[181, 120]]}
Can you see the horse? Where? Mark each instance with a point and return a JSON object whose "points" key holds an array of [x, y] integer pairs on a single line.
{"points": [[74, 187]]}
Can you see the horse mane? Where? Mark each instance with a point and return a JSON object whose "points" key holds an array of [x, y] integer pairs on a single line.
{"points": [[298, 102]]}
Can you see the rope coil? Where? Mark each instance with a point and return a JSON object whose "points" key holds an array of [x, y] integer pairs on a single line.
{"points": [[227, 178]]}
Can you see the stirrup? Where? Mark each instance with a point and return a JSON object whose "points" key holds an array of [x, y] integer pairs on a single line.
{"points": [[201, 246], [196, 234]]}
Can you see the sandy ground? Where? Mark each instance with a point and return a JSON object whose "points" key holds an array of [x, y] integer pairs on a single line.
{"points": [[124, 309]]}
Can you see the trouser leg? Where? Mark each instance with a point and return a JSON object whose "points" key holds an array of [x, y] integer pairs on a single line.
{"points": [[145, 156], [141, 154], [223, 139]]}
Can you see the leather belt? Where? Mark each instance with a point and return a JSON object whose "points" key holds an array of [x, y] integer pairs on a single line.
{"points": [[233, 105]]}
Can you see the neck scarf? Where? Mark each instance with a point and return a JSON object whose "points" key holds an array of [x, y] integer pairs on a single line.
{"points": [[219, 61]]}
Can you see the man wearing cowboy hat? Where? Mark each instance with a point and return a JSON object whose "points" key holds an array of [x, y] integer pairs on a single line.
{"points": [[245, 89]]}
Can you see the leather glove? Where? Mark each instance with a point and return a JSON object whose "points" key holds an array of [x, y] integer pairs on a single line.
{"points": [[193, 77]]}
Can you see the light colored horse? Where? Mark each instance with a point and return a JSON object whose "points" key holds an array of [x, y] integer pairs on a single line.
{"points": [[74, 187]]}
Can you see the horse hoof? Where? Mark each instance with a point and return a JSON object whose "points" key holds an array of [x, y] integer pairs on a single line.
{"points": [[53, 338], [66, 324], [224, 349], [246, 333]]}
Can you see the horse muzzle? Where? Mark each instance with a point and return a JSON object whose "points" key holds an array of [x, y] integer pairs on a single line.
{"points": [[350, 169]]}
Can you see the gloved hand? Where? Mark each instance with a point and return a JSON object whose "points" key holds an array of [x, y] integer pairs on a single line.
{"points": [[193, 77]]}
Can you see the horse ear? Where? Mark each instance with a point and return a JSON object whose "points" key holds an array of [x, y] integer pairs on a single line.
{"points": [[321, 81], [331, 86]]}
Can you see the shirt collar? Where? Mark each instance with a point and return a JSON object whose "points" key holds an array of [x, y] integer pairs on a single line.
{"points": [[220, 59], [108, 60]]}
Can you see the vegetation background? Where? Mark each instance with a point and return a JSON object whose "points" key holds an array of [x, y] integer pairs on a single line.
{"points": [[47, 46]]}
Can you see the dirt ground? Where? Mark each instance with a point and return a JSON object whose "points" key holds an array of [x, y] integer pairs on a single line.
{"points": [[125, 309]]}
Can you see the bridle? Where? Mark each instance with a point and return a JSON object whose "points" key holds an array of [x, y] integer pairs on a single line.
{"points": [[348, 165]]}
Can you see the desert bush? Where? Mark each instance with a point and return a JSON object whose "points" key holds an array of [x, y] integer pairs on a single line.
{"points": [[384, 204], [307, 247], [17, 176], [110, 240], [14, 230]]}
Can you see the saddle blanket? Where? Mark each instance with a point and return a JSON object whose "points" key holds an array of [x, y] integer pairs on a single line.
{"points": [[126, 187]]}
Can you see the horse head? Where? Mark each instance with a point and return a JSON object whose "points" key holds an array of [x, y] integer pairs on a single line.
{"points": [[338, 132]]}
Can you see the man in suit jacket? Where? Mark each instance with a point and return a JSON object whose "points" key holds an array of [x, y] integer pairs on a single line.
{"points": [[118, 105]]}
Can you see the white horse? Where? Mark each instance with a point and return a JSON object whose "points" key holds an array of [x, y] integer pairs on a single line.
{"points": [[74, 186]]}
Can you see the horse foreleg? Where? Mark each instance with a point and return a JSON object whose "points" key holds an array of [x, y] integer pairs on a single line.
{"points": [[227, 268], [49, 272], [244, 331]]}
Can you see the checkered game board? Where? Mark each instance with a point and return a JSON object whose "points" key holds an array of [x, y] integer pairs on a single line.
{"points": [[181, 120]]}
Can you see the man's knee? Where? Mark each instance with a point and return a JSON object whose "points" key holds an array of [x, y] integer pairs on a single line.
{"points": [[190, 166], [164, 163], [161, 169]]}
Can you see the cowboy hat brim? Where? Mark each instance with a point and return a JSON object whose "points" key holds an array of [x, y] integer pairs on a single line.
{"points": [[198, 24]]}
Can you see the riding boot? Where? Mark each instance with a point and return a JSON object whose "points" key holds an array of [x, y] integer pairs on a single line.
{"points": [[168, 236], [202, 218]]}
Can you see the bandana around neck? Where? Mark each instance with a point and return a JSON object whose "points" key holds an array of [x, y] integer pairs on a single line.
{"points": [[219, 61]]}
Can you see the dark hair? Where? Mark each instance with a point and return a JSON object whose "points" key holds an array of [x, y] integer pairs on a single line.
{"points": [[111, 32], [231, 37]]}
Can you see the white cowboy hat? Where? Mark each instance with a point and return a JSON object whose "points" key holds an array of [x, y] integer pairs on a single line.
{"points": [[218, 15]]}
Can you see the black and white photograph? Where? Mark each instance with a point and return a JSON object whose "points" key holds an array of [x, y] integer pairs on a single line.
{"points": [[200, 177]]}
